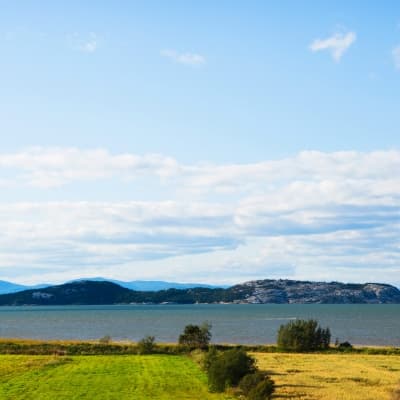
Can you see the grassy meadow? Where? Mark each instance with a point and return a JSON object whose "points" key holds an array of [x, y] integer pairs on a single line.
{"points": [[164, 377], [177, 377]]}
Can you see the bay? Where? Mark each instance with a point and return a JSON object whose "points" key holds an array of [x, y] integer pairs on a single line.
{"points": [[364, 324]]}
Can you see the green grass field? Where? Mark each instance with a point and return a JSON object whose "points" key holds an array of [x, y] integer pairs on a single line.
{"points": [[102, 377]]}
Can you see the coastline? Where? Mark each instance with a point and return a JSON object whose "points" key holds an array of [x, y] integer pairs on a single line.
{"points": [[125, 347]]}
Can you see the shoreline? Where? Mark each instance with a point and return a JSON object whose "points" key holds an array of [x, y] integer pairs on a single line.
{"points": [[97, 347], [127, 342]]}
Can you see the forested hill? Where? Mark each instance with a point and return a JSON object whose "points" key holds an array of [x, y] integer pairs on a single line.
{"points": [[253, 292], [103, 292]]}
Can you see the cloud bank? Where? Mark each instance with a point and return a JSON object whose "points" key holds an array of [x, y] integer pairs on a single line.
{"points": [[315, 215]]}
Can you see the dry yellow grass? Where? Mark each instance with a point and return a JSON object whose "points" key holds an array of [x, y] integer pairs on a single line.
{"points": [[332, 376]]}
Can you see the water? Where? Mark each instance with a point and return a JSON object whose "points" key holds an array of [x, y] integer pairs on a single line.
{"points": [[231, 323]]}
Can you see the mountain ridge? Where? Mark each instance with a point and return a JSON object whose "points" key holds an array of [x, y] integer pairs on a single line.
{"points": [[11, 287], [7, 287], [89, 292]]}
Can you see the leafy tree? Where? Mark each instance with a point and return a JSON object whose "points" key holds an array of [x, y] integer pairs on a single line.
{"points": [[303, 335], [146, 345], [228, 368], [195, 336]]}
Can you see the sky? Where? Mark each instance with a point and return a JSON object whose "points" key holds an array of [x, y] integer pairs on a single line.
{"points": [[213, 142]]}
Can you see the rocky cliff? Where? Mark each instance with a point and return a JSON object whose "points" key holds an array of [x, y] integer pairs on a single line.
{"points": [[288, 291]]}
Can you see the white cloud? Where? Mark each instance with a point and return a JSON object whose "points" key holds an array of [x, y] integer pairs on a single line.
{"points": [[191, 59], [85, 44], [54, 167], [337, 44], [396, 56]]}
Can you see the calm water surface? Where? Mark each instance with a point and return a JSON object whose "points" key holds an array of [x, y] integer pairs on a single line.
{"points": [[233, 323]]}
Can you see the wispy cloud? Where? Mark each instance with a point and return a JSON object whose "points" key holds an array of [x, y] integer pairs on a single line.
{"points": [[54, 167], [85, 44], [191, 59], [337, 44], [396, 56]]}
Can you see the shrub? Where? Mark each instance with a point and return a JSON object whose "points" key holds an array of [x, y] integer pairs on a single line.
{"points": [[301, 335], [195, 336], [210, 357], [257, 386], [345, 346], [250, 381], [228, 368], [146, 345], [263, 390]]}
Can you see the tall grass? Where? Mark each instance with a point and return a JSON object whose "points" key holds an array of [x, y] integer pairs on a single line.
{"points": [[396, 394], [332, 376]]}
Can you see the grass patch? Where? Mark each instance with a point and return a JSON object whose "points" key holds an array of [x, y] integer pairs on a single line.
{"points": [[163, 377], [332, 376]]}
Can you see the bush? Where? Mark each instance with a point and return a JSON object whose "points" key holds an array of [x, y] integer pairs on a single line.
{"points": [[210, 357], [195, 336], [263, 390], [228, 368], [250, 381], [146, 345], [301, 335], [345, 346], [257, 386]]}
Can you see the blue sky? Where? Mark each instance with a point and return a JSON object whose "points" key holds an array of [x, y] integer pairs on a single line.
{"points": [[209, 141]]}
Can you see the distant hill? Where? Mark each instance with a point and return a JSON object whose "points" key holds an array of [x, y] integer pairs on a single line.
{"points": [[10, 287], [83, 292], [103, 292], [152, 286], [253, 292]]}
